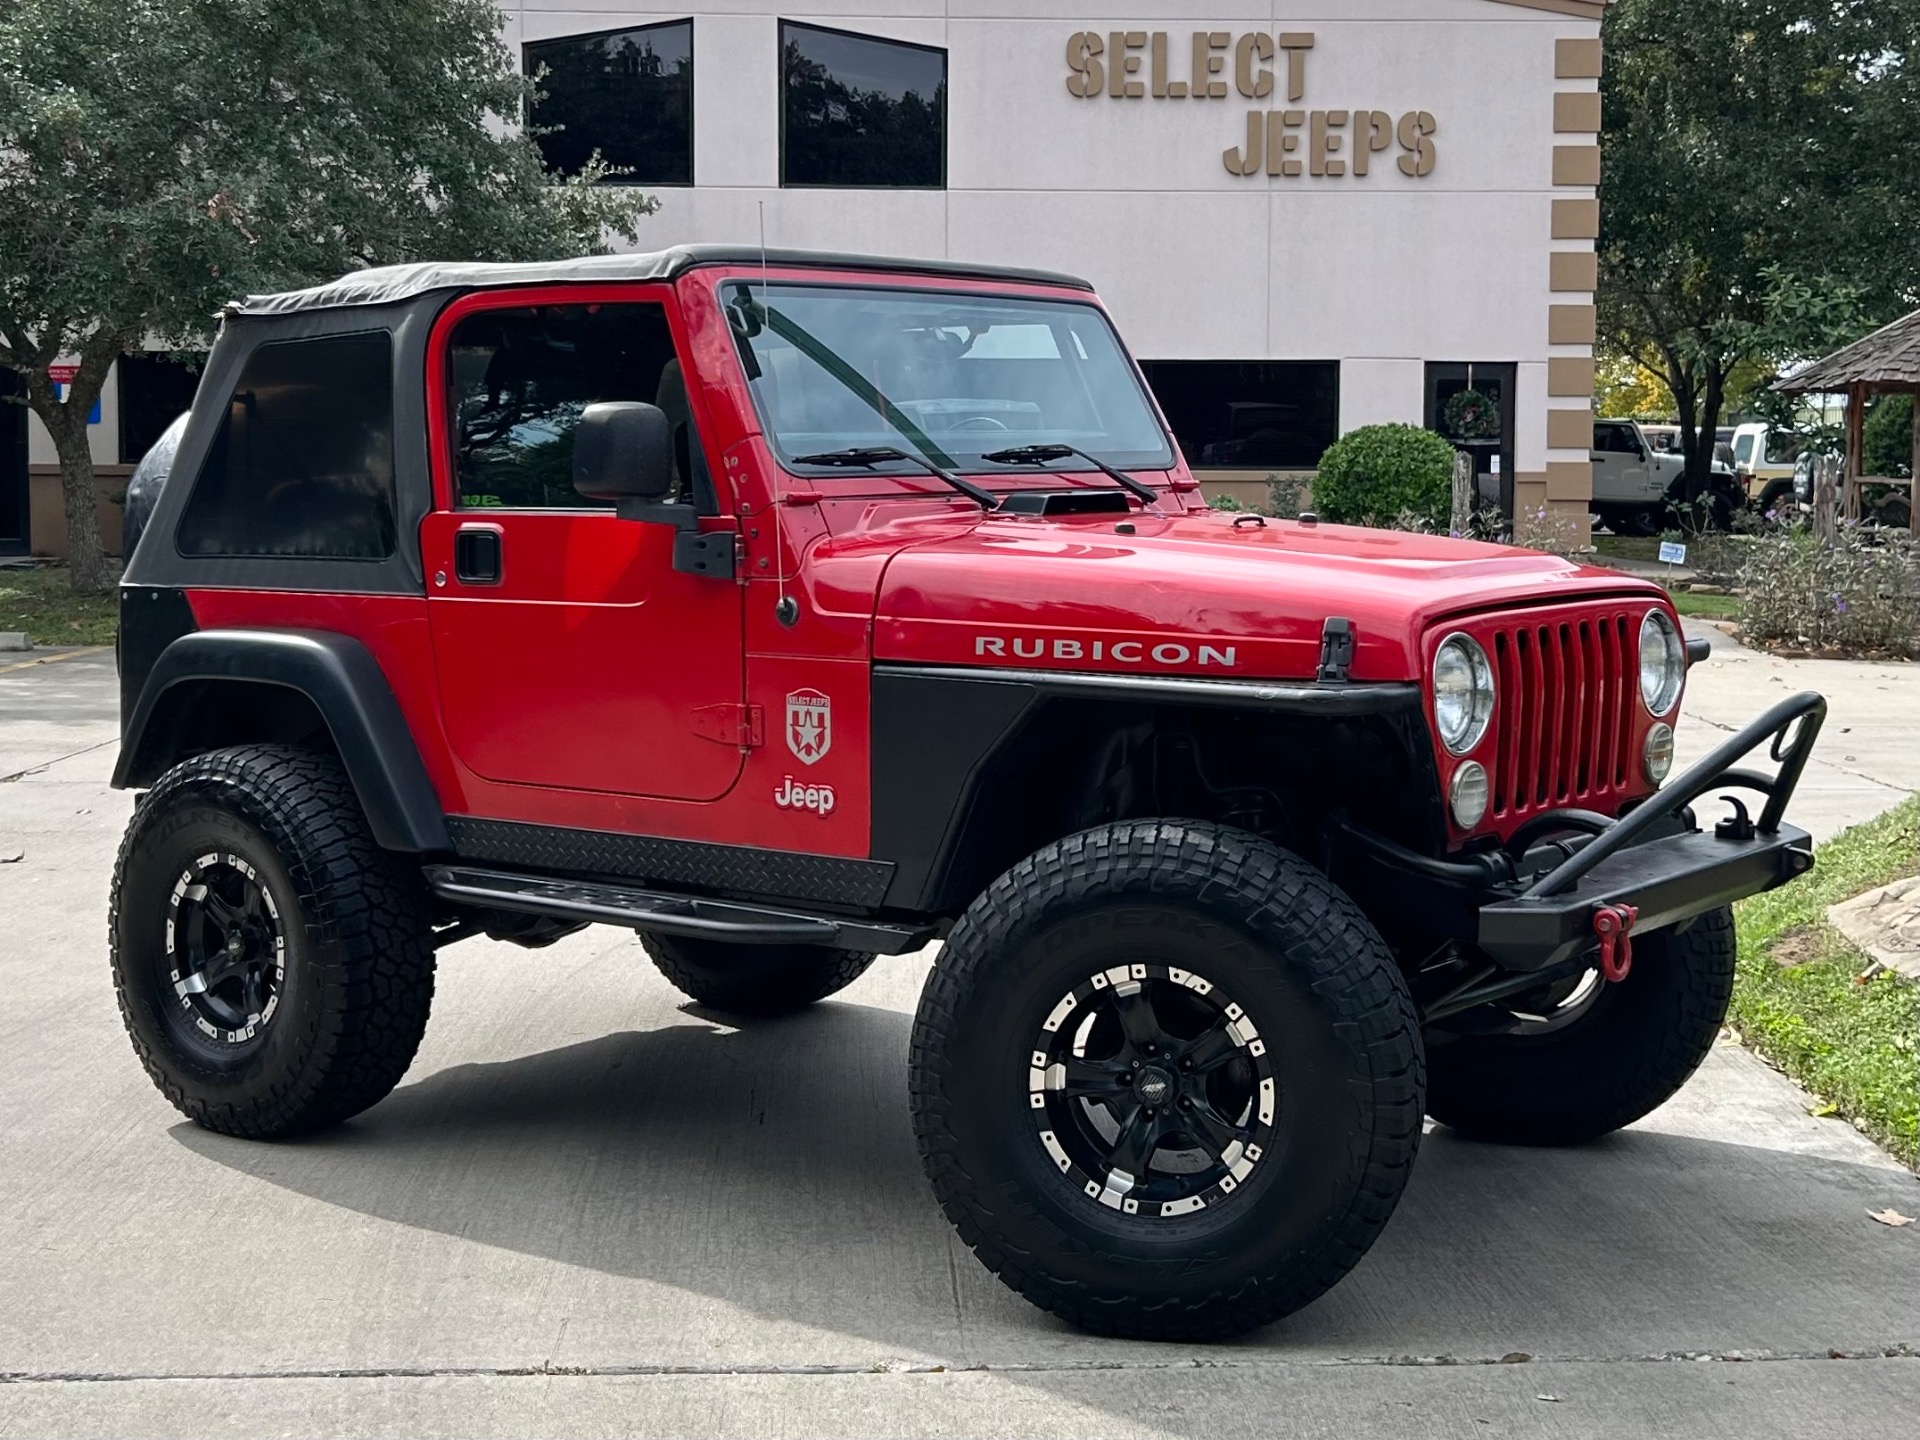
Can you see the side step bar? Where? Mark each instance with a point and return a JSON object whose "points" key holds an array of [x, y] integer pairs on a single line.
{"points": [[687, 915]]}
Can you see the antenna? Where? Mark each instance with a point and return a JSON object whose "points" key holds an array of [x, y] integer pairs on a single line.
{"points": [[785, 609]]}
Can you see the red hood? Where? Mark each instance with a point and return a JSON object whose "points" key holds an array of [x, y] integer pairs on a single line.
{"points": [[1210, 594]]}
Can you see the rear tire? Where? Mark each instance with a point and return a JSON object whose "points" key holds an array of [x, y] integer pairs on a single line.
{"points": [[1777, 497], [272, 963], [754, 979], [1275, 1074], [1627, 1054]]}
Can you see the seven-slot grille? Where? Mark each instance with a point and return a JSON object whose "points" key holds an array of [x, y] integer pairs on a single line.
{"points": [[1564, 711]]}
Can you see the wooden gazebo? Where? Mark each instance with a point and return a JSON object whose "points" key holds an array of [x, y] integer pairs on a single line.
{"points": [[1887, 362]]}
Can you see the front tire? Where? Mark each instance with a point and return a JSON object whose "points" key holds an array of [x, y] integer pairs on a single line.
{"points": [[1604, 1059], [271, 962], [758, 980], [1166, 1080]]}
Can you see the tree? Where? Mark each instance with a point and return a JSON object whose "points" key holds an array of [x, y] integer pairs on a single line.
{"points": [[1761, 200], [159, 158]]}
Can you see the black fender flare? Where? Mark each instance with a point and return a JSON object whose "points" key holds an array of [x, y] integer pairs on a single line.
{"points": [[345, 684]]}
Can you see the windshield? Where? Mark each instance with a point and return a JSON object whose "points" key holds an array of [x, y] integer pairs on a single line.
{"points": [[948, 376]]}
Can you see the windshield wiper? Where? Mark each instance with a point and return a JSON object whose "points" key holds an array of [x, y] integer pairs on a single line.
{"points": [[870, 455], [1041, 454]]}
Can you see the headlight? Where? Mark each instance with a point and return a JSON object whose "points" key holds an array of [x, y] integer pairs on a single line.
{"points": [[1663, 662], [1656, 760], [1467, 795], [1462, 693]]}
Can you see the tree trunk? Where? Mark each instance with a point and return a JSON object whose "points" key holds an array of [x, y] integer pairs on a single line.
{"points": [[66, 422]]}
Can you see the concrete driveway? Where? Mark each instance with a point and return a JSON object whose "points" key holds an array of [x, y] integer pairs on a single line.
{"points": [[592, 1210]]}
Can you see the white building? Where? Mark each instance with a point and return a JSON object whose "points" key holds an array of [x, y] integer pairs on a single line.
{"points": [[1306, 215]]}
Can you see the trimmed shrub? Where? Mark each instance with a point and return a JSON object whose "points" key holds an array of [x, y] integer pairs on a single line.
{"points": [[1379, 473], [1859, 597]]}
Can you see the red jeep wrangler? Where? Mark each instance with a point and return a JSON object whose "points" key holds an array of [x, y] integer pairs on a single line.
{"points": [[794, 609]]}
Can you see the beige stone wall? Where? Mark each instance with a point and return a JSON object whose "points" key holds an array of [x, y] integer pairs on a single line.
{"points": [[47, 517]]}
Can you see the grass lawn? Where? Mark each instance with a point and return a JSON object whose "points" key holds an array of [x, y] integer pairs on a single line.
{"points": [[1628, 547], [1713, 607], [39, 601], [1797, 1000]]}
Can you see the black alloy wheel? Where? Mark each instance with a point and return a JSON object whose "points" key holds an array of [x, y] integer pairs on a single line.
{"points": [[1167, 1080], [225, 956], [273, 964], [1152, 1090]]}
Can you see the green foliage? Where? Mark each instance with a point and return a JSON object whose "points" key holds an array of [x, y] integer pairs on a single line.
{"points": [[1888, 438], [1859, 596], [1852, 1043], [1380, 473], [40, 601], [1759, 201], [161, 157]]}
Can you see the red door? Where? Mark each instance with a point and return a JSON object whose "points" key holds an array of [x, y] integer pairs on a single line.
{"points": [[571, 654]]}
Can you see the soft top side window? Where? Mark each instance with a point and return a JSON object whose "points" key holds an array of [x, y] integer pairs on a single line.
{"points": [[519, 378], [302, 464]]}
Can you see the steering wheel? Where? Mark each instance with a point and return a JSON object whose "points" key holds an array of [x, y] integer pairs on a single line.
{"points": [[979, 422]]}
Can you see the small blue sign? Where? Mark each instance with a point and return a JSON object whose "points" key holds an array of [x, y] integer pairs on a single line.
{"points": [[60, 393], [1672, 552]]}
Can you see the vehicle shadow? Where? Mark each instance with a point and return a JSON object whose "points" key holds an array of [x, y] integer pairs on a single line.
{"points": [[773, 1169]]}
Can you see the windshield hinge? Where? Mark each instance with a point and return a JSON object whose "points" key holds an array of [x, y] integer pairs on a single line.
{"points": [[733, 724], [1336, 650]]}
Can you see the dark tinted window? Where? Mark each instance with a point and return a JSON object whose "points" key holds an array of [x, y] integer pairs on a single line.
{"points": [[1249, 415], [858, 111], [1615, 440], [303, 461], [626, 93], [520, 380], [156, 387]]}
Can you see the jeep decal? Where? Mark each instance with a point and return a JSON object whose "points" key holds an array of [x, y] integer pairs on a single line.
{"points": [[1123, 652], [794, 796]]}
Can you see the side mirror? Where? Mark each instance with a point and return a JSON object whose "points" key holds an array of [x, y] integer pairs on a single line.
{"points": [[623, 450]]}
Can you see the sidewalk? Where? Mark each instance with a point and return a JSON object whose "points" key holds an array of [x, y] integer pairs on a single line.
{"points": [[1868, 758]]}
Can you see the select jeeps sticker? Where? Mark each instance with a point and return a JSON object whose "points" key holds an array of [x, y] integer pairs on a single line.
{"points": [[809, 725], [794, 796]]}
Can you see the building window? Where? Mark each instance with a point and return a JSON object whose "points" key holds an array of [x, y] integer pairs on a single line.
{"points": [[861, 112], [303, 461], [156, 388], [626, 93], [1249, 414]]}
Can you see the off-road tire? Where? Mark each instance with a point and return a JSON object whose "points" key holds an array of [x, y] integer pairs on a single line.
{"points": [[759, 980], [1638, 1044], [1776, 494], [1338, 1025], [358, 979]]}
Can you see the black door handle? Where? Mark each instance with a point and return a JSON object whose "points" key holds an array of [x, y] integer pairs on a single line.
{"points": [[476, 555]]}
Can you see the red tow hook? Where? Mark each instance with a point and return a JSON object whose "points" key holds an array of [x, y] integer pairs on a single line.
{"points": [[1614, 925]]}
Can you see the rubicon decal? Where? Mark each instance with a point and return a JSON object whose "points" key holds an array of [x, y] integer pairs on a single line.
{"points": [[1165, 653], [809, 725], [793, 796]]}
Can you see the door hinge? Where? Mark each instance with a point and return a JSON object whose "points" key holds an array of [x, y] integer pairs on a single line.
{"points": [[730, 725]]}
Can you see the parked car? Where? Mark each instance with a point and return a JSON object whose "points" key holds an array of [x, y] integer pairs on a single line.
{"points": [[706, 594], [1636, 487], [1763, 460]]}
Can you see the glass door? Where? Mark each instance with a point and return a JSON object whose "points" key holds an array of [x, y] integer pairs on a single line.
{"points": [[13, 468], [1470, 404]]}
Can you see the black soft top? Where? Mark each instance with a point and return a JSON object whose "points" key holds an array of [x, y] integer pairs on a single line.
{"points": [[391, 283]]}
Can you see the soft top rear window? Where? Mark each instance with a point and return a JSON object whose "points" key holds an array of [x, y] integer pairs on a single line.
{"points": [[302, 464]]}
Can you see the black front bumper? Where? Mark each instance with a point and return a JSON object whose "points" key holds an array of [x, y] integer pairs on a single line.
{"points": [[1532, 907], [1666, 881]]}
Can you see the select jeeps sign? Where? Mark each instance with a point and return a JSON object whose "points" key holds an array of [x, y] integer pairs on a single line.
{"points": [[1283, 137]]}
